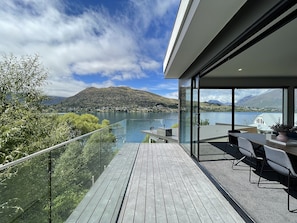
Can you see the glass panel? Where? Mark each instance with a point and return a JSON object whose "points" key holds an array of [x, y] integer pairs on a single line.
{"points": [[70, 179], [24, 191], [154, 130], [47, 187], [185, 114], [215, 121], [258, 109]]}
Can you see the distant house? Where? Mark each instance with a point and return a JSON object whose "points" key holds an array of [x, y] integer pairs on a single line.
{"points": [[264, 121]]}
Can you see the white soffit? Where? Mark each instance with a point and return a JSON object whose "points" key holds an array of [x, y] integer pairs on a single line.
{"points": [[274, 56], [197, 23]]}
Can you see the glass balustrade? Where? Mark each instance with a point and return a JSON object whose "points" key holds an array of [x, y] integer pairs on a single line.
{"points": [[47, 186]]}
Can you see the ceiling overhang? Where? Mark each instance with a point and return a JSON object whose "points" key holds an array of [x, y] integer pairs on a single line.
{"points": [[197, 23], [269, 51]]}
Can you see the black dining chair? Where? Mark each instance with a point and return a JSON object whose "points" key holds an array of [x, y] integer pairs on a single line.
{"points": [[247, 150], [232, 140], [279, 161]]}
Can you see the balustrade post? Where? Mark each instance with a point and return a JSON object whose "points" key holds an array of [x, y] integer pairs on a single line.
{"points": [[50, 186]]}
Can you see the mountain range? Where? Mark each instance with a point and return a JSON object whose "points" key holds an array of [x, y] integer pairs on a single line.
{"points": [[128, 99], [270, 100]]}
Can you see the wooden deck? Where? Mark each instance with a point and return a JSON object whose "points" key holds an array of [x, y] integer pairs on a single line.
{"points": [[153, 183], [103, 201], [167, 186]]}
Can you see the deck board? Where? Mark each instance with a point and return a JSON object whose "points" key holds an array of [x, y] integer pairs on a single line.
{"points": [[102, 203], [164, 185], [167, 186]]}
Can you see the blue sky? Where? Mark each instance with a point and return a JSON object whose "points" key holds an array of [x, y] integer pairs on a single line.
{"points": [[92, 43]]}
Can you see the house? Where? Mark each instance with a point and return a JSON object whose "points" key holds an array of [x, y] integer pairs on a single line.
{"points": [[232, 44]]}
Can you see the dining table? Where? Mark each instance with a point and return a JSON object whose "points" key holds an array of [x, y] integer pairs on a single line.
{"points": [[261, 139], [290, 147]]}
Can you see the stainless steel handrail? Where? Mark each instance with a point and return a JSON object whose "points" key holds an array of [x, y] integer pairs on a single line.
{"points": [[23, 159]]}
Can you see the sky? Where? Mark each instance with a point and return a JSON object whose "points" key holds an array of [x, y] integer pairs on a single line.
{"points": [[97, 43], [92, 43]]}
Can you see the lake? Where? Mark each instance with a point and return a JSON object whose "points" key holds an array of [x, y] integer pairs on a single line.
{"points": [[144, 121]]}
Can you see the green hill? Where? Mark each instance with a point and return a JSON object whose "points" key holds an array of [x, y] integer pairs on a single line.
{"points": [[115, 99]]}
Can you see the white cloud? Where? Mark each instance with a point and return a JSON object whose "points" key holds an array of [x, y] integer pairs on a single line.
{"points": [[173, 95], [128, 76], [150, 64], [224, 95], [169, 85], [65, 87], [104, 84], [149, 10], [91, 42]]}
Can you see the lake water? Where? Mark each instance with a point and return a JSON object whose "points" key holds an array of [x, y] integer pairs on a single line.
{"points": [[144, 121]]}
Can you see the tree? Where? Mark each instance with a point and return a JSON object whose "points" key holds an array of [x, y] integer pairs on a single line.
{"points": [[98, 151], [24, 129], [20, 82], [82, 124], [71, 181], [75, 168]]}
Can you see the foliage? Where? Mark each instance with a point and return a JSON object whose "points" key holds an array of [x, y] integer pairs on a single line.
{"points": [[146, 138], [68, 164], [105, 123], [26, 191], [71, 179], [24, 129], [82, 124], [29, 132], [20, 82], [281, 127], [204, 122], [98, 151], [76, 167], [73, 167], [174, 125]]}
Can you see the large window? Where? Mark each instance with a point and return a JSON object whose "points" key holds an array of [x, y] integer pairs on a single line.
{"points": [[215, 106], [256, 110], [260, 108]]}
